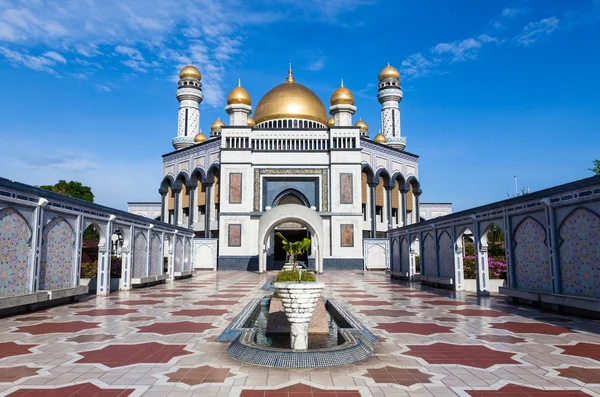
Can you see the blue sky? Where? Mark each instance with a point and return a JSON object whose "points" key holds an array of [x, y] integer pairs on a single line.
{"points": [[492, 88]]}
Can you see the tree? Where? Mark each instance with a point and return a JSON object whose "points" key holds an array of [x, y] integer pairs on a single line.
{"points": [[71, 189], [596, 168], [294, 249], [76, 190]]}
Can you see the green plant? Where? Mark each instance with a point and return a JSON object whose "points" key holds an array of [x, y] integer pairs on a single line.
{"points": [[417, 264], [596, 168], [294, 248], [276, 294], [89, 270], [469, 250], [294, 276]]}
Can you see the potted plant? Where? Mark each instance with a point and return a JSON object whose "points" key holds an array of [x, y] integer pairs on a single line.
{"points": [[299, 292], [293, 249]]}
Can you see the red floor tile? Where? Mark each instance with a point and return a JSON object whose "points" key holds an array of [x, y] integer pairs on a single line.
{"points": [[216, 302], [469, 355], [370, 303], [479, 313], [107, 312], [582, 349], [138, 302], [531, 328], [9, 349], [51, 328], [162, 295], [199, 375], [585, 375], [227, 296], [90, 338], [81, 390], [32, 318], [445, 303], [400, 376], [388, 313], [121, 355], [522, 391], [182, 327], [413, 328], [501, 338], [13, 374], [200, 312], [299, 390]]}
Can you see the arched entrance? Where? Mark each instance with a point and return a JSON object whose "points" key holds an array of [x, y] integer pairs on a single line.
{"points": [[291, 213]]}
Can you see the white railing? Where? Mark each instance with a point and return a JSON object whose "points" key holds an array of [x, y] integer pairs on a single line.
{"points": [[318, 140]]}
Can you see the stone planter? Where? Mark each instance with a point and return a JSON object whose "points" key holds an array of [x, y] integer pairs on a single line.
{"points": [[299, 301]]}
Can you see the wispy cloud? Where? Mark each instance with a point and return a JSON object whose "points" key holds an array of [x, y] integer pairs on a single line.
{"points": [[66, 162], [43, 63], [317, 65], [442, 54], [103, 87], [535, 31], [506, 15]]}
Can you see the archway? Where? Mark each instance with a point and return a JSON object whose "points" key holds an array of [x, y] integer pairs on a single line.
{"points": [[291, 213]]}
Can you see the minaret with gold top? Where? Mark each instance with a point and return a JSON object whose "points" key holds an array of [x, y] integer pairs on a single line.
{"points": [[189, 95], [239, 106], [390, 95], [342, 106]]}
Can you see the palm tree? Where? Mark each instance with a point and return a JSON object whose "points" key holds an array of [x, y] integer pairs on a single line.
{"points": [[294, 248]]}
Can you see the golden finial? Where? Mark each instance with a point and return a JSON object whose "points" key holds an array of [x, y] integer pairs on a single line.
{"points": [[342, 83], [290, 78], [239, 82]]}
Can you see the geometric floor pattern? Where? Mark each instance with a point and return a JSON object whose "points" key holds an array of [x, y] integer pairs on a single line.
{"points": [[161, 341]]}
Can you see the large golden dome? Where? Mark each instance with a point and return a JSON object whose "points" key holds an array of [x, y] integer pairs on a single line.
{"points": [[290, 100]]}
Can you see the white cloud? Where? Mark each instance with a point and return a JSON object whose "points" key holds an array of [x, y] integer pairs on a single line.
{"points": [[513, 12], [56, 56], [104, 88], [317, 65], [418, 65], [535, 31], [40, 63]]}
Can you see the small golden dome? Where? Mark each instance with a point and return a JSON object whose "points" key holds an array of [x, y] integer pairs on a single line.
{"points": [[362, 125], [190, 72], [200, 137], [389, 72], [239, 95], [290, 100], [331, 122], [342, 96], [251, 122], [380, 138], [216, 126]]}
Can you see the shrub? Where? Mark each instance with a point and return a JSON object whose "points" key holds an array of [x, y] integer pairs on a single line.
{"points": [[288, 276], [469, 250], [115, 267], [89, 270], [417, 264], [497, 269]]}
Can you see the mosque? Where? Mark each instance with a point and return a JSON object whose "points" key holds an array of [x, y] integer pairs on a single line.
{"points": [[289, 166]]}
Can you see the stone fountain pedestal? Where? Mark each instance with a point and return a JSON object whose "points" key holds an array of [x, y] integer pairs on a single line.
{"points": [[299, 301]]}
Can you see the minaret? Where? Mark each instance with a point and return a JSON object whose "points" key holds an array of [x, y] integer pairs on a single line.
{"points": [[239, 106], [390, 95], [342, 106], [189, 95]]}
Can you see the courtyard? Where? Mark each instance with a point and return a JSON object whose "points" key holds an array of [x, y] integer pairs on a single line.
{"points": [[161, 341]]}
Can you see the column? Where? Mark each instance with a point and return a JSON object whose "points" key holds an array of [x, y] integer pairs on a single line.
{"points": [[207, 191], [104, 260], [163, 208], [510, 271], [171, 258], [481, 256], [78, 249], [193, 206], [458, 262], [553, 248], [417, 209], [176, 207], [372, 187], [148, 253], [403, 194], [36, 245], [388, 203], [126, 259]]}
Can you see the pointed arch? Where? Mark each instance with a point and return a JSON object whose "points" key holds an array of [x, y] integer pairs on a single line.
{"points": [[58, 255], [531, 259], [15, 246], [446, 254]]}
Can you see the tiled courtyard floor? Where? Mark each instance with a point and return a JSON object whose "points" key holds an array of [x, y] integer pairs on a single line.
{"points": [[160, 341]]}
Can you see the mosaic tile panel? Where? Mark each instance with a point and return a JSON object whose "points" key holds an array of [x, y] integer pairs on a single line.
{"points": [[156, 260], [428, 266], [580, 254], [177, 254], [58, 250], [140, 255], [405, 256], [15, 240], [532, 262], [446, 255]]}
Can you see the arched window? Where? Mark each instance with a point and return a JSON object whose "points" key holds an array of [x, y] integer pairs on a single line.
{"points": [[291, 196], [295, 123]]}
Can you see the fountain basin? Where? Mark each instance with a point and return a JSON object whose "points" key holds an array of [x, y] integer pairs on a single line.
{"points": [[348, 343]]}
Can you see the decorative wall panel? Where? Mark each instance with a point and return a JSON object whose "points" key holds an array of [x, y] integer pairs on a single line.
{"points": [[446, 255], [140, 252], [235, 188], [58, 250], [186, 255], [428, 259], [15, 243], [346, 189], [405, 256], [580, 254], [178, 255], [347, 235], [234, 235], [531, 259], [156, 260]]}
